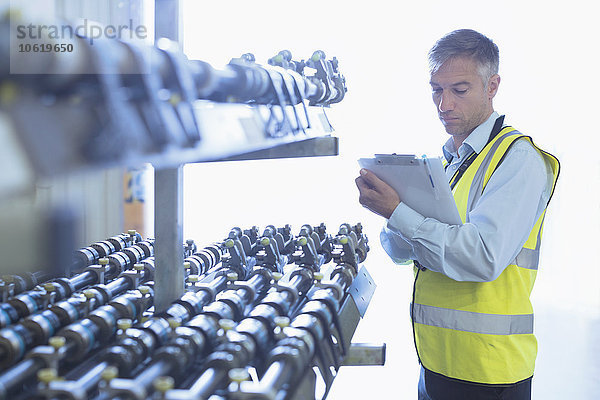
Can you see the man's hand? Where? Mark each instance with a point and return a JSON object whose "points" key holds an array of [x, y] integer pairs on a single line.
{"points": [[376, 195]]}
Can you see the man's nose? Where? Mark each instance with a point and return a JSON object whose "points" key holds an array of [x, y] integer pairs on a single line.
{"points": [[445, 102]]}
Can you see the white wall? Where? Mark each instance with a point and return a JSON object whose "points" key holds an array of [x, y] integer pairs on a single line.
{"points": [[549, 56]]}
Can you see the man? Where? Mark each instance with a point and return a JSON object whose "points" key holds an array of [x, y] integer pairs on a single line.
{"points": [[471, 314]]}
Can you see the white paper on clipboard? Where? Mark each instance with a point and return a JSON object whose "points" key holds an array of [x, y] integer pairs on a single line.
{"points": [[420, 182]]}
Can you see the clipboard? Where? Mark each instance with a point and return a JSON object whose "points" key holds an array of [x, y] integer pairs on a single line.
{"points": [[420, 182]]}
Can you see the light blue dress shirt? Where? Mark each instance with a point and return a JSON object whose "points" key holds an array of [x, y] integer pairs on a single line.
{"points": [[496, 228]]}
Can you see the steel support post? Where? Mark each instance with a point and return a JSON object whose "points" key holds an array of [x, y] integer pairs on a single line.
{"points": [[167, 20], [168, 231], [168, 192]]}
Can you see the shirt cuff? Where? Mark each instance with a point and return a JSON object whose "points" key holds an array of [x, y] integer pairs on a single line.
{"points": [[405, 221]]}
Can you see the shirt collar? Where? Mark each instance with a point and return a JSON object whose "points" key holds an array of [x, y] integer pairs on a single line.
{"points": [[476, 141]]}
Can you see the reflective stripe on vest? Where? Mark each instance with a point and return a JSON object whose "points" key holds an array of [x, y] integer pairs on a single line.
{"points": [[530, 258], [467, 321], [481, 331]]}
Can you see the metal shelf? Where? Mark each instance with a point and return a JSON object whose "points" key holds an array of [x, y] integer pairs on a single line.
{"points": [[237, 132], [231, 132]]}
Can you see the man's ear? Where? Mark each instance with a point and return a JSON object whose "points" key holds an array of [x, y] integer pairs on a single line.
{"points": [[493, 84]]}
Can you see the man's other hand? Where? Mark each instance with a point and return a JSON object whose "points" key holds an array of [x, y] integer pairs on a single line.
{"points": [[376, 195]]}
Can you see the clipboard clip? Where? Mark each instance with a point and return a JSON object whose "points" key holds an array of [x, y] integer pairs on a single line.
{"points": [[396, 159]]}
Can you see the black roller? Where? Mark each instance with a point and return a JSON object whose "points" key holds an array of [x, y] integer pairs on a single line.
{"points": [[119, 242], [14, 342], [84, 257], [103, 248]]}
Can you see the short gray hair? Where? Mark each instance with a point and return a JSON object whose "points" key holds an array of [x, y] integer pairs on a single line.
{"points": [[466, 43]]}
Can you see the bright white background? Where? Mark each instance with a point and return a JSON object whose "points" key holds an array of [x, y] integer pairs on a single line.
{"points": [[549, 90]]}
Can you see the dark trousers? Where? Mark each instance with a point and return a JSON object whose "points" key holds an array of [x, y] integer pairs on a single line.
{"points": [[434, 386]]}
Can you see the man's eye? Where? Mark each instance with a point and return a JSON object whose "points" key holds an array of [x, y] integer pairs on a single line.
{"points": [[460, 91], [436, 90]]}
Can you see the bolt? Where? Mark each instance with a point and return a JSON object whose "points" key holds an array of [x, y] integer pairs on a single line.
{"points": [[124, 324], [49, 286], [282, 321], [173, 323], [238, 375], [226, 324], [47, 375], [163, 384], [110, 373], [232, 276], [57, 342], [277, 276]]}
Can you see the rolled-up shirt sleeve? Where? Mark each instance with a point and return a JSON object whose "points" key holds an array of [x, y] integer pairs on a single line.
{"points": [[496, 228]]}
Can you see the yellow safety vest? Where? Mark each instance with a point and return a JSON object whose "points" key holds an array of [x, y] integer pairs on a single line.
{"points": [[481, 331]]}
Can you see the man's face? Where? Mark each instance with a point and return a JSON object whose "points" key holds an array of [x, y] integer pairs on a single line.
{"points": [[462, 100]]}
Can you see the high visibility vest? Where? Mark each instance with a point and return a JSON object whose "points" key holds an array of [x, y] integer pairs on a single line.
{"points": [[481, 331]]}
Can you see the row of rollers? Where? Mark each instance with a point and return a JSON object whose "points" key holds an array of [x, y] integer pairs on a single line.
{"points": [[159, 326], [91, 254], [40, 313], [37, 328], [187, 344], [136, 344], [244, 341], [254, 336], [302, 342], [322, 308], [180, 353], [31, 301], [216, 253], [18, 283], [311, 326], [78, 340]]}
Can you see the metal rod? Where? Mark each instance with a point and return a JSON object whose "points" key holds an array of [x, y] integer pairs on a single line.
{"points": [[276, 375], [207, 382], [82, 280], [152, 372], [13, 378], [118, 286], [91, 378]]}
